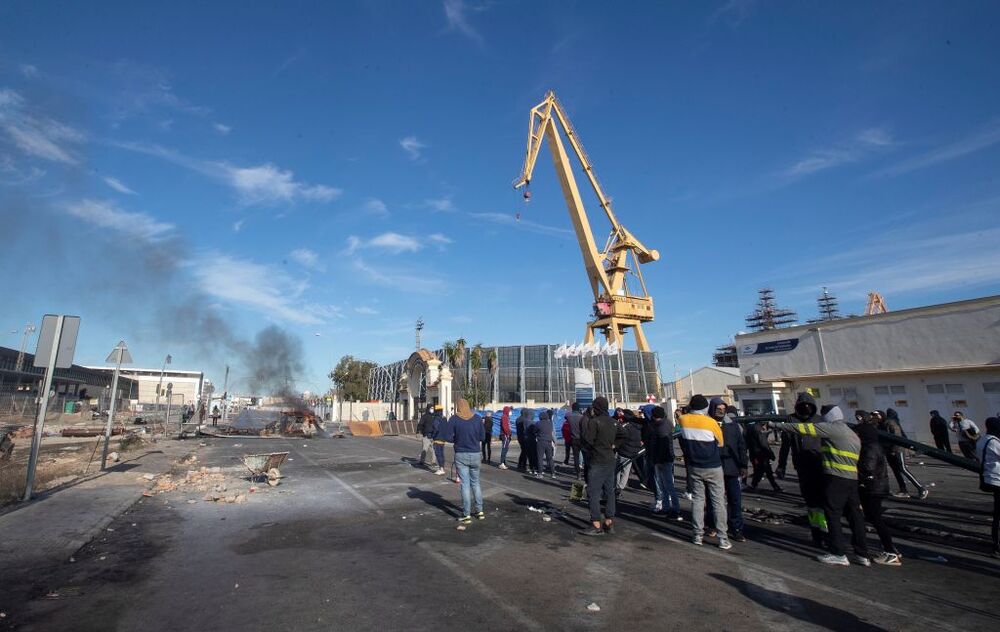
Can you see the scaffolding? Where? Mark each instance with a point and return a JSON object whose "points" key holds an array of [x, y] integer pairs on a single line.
{"points": [[767, 315]]}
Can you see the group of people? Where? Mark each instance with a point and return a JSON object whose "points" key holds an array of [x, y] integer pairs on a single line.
{"points": [[842, 470]]}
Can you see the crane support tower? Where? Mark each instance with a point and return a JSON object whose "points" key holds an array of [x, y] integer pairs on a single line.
{"points": [[617, 307], [876, 304]]}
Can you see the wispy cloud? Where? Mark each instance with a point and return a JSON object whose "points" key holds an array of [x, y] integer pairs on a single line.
{"points": [[439, 240], [441, 205], [264, 184], [860, 146], [984, 137], [734, 12], [222, 129], [511, 221], [145, 89], [456, 13], [289, 61], [926, 256], [375, 206], [118, 185], [268, 184], [403, 281], [306, 258], [105, 214], [412, 146], [34, 134], [28, 70], [366, 311], [261, 288], [238, 225], [395, 243]]}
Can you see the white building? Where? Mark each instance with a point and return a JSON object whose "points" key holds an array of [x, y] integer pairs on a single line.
{"points": [[940, 357], [710, 381], [185, 386]]}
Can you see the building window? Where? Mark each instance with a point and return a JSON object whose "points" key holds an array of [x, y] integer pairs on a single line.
{"points": [[991, 387], [935, 389], [954, 389], [897, 390], [881, 390]]}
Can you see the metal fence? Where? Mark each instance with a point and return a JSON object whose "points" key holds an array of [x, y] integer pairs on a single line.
{"points": [[532, 372]]}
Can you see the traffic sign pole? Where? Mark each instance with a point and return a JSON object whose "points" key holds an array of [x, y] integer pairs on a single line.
{"points": [[36, 439], [111, 412]]}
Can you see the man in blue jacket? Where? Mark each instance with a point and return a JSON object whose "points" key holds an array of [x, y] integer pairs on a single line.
{"points": [[735, 459], [466, 432]]}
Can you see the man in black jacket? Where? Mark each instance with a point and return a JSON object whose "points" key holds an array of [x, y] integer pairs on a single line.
{"points": [[521, 427], [544, 435], [425, 428], [734, 468], [873, 487], [601, 438], [660, 452], [628, 451], [897, 460], [939, 430]]}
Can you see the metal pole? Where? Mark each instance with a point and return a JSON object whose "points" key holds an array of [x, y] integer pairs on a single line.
{"points": [[621, 373], [36, 439], [225, 396], [166, 420], [111, 412], [159, 387]]}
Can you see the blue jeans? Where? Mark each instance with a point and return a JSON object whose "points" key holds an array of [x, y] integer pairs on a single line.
{"points": [[665, 490], [504, 446], [439, 454], [468, 471]]}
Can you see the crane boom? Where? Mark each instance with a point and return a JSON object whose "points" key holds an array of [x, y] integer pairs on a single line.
{"points": [[616, 307]]}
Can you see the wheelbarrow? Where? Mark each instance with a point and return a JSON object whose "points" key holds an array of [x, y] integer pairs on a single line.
{"points": [[264, 465]]}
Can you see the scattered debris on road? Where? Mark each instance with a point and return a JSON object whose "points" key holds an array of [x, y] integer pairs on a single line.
{"points": [[593, 607]]}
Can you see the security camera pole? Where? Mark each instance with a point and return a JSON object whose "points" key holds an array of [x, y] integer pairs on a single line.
{"points": [[119, 355]]}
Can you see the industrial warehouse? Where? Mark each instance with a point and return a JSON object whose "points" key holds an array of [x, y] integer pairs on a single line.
{"points": [[939, 357]]}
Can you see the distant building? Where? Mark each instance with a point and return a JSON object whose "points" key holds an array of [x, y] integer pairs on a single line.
{"points": [[710, 381], [186, 386], [726, 356], [75, 383], [940, 357]]}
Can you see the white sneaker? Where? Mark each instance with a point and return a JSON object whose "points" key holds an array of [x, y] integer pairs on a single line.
{"points": [[725, 545], [834, 560], [503, 466], [440, 471], [657, 506], [688, 495]]}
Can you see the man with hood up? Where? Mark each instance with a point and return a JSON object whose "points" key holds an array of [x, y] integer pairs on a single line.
{"points": [[601, 438], [939, 430], [521, 427], [425, 429], [466, 432], [545, 447], [807, 458], [840, 449], [504, 436], [734, 465], [896, 459], [873, 486], [702, 441]]}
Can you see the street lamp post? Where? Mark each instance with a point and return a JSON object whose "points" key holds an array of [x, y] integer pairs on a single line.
{"points": [[119, 355]]}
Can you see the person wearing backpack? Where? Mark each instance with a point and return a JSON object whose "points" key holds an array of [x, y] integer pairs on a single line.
{"points": [[988, 453]]}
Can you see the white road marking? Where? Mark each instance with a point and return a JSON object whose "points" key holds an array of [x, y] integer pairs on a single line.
{"points": [[340, 482], [484, 590]]}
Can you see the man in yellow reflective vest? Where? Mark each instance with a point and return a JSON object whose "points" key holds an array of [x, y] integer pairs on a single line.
{"points": [[840, 451]]}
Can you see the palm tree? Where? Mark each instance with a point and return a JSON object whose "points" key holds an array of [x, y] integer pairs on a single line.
{"points": [[477, 395], [460, 347], [492, 365], [449, 353]]}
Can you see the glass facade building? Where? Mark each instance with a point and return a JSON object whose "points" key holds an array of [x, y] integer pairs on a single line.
{"points": [[533, 373]]}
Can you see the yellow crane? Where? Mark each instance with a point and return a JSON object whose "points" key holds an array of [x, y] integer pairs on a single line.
{"points": [[876, 304], [617, 306]]}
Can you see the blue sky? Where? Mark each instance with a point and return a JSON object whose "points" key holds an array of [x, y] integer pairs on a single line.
{"points": [[340, 169]]}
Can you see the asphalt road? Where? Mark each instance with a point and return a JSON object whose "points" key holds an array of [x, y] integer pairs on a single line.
{"points": [[358, 538]]}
